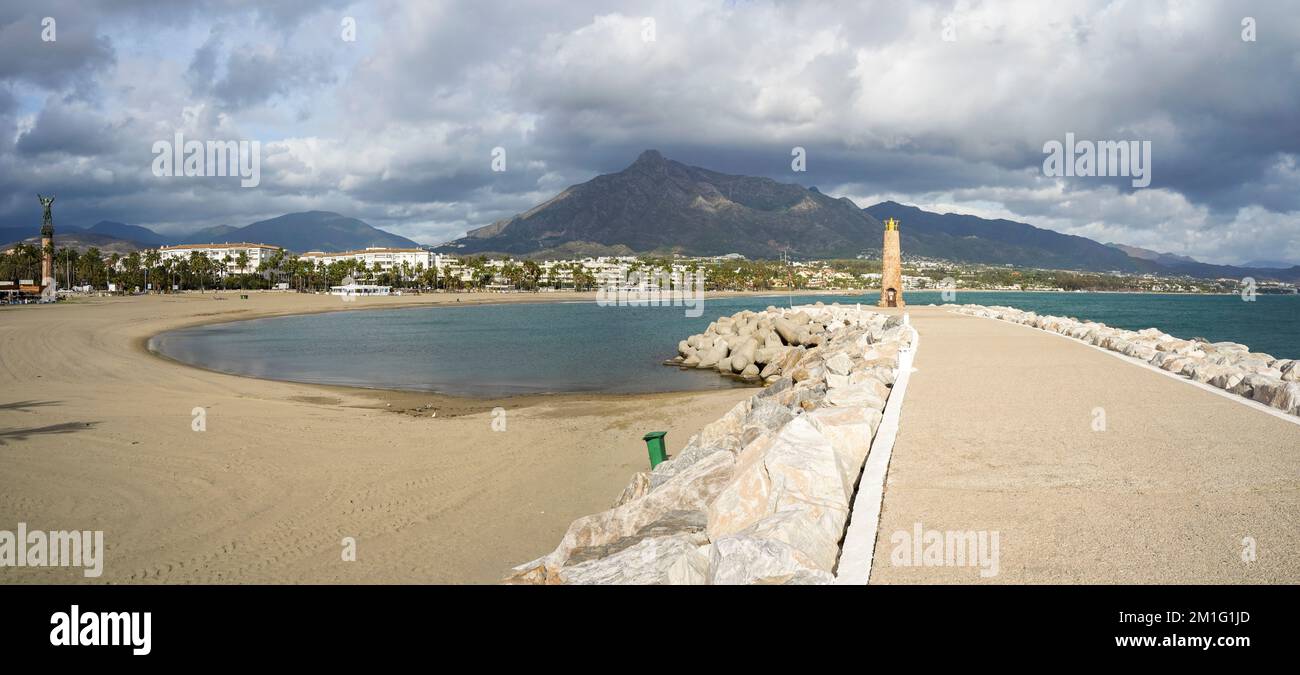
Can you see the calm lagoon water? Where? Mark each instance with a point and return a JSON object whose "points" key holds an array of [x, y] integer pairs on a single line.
{"points": [[495, 350]]}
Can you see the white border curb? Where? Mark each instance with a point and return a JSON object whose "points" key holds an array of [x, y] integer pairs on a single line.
{"points": [[854, 568]]}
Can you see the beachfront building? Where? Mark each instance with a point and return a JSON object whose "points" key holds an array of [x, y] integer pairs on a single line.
{"points": [[386, 258], [226, 256]]}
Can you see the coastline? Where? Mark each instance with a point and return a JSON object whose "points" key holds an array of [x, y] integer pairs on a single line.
{"points": [[96, 435], [405, 396], [386, 395]]}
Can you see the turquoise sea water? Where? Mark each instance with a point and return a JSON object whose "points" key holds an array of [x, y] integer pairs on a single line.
{"points": [[494, 350]]}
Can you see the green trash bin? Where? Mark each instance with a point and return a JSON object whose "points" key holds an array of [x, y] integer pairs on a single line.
{"points": [[654, 442]]}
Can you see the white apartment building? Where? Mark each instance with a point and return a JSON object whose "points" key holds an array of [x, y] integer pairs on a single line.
{"points": [[226, 255], [386, 258]]}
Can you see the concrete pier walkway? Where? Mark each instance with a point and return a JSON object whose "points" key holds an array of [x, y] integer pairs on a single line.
{"points": [[1089, 468]]}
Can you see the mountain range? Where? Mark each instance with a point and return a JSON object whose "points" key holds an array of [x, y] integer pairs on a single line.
{"points": [[965, 238], [305, 231], [660, 206], [1162, 258]]}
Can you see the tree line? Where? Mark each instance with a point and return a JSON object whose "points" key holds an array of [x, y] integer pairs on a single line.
{"points": [[148, 270], [141, 270]]}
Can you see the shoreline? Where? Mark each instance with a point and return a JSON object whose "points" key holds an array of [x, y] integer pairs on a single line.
{"points": [[97, 435], [406, 397], [388, 395]]}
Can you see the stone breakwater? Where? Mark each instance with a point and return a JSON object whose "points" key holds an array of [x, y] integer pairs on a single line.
{"points": [[755, 345], [762, 495], [1227, 365]]}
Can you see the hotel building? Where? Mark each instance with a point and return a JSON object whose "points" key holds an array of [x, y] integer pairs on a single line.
{"points": [[386, 258], [226, 255]]}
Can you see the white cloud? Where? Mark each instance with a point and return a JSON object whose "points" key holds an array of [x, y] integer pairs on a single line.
{"points": [[396, 128]]}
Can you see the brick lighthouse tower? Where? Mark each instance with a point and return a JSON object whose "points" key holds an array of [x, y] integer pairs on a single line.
{"points": [[47, 242], [891, 268]]}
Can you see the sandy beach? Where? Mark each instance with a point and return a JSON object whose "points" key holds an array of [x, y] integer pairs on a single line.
{"points": [[96, 434]]}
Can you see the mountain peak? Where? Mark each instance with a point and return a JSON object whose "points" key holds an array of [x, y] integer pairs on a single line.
{"points": [[661, 205], [649, 158]]}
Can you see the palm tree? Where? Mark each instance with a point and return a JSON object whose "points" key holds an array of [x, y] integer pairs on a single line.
{"points": [[512, 273], [89, 265], [131, 266], [197, 263], [475, 270], [113, 261], [151, 260], [532, 274], [241, 263], [65, 258], [180, 271]]}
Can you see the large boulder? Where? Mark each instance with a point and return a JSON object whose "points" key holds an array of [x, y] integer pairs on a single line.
{"points": [[1287, 398], [839, 364], [805, 471], [748, 497], [714, 354], [670, 524], [763, 554], [636, 488], [861, 395], [1228, 379], [787, 330], [679, 559], [691, 490], [1264, 388], [720, 435], [850, 431], [742, 356]]}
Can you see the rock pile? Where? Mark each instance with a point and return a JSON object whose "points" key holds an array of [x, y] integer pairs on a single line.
{"points": [[758, 345], [1226, 365], [761, 495]]}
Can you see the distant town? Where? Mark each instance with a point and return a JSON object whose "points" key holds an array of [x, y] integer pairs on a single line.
{"points": [[252, 266]]}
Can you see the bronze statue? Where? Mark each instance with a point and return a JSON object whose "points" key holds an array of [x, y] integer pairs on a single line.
{"points": [[47, 225]]}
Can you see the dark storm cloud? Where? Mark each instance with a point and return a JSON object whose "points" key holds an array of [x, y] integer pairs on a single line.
{"points": [[397, 128], [75, 55], [67, 129]]}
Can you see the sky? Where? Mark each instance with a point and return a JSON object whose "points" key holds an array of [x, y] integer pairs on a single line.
{"points": [[945, 105]]}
